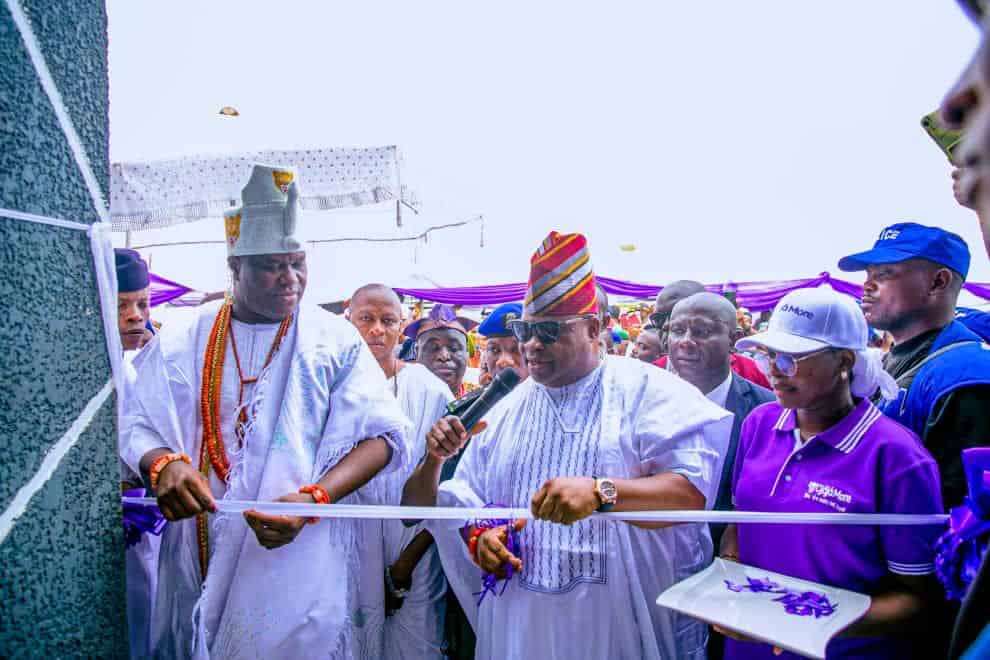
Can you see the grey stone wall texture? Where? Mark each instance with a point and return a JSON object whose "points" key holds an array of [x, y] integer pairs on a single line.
{"points": [[61, 566]]}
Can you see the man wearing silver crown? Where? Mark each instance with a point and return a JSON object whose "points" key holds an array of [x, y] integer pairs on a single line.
{"points": [[236, 405]]}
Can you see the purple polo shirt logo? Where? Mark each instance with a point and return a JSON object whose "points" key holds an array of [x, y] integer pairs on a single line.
{"points": [[803, 313], [830, 496], [889, 234]]}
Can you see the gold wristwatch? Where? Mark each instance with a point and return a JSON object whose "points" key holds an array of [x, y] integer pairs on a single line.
{"points": [[606, 492]]}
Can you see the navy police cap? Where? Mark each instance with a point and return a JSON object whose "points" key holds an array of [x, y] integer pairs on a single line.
{"points": [[497, 323]]}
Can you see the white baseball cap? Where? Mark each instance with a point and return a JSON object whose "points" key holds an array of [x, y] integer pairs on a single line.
{"points": [[809, 320]]}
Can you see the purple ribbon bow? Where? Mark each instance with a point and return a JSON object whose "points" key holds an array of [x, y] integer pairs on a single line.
{"points": [[800, 603], [766, 585], [960, 550], [806, 603], [141, 518], [490, 580]]}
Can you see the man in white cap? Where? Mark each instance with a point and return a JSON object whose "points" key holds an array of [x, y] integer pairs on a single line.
{"points": [[580, 434], [236, 405]]}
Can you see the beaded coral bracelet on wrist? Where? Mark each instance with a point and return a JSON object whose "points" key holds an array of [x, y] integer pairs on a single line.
{"points": [[159, 464], [319, 495], [472, 542]]}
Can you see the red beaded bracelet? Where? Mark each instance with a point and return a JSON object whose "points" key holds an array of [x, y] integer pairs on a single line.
{"points": [[472, 542], [159, 464], [320, 496]]}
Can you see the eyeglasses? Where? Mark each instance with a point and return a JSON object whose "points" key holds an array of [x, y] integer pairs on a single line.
{"points": [[547, 332], [786, 363]]}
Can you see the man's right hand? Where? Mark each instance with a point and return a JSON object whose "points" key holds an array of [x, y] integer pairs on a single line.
{"points": [[492, 555], [448, 436], [183, 492]]}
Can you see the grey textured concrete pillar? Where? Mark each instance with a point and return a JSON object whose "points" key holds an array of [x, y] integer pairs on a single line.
{"points": [[61, 547]]}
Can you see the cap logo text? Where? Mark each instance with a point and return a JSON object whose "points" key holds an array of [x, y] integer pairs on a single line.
{"points": [[889, 234], [797, 310]]}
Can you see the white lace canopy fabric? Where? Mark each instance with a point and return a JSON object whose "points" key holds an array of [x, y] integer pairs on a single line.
{"points": [[163, 193]]}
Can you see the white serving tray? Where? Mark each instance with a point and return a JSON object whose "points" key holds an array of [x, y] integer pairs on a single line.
{"points": [[705, 596]]}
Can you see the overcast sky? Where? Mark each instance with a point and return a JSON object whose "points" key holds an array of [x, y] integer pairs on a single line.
{"points": [[734, 140]]}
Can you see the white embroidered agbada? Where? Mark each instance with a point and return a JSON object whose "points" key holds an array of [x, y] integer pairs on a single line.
{"points": [[415, 631], [141, 559], [588, 590], [322, 394]]}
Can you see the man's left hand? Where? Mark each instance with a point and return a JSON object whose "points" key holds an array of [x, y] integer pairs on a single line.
{"points": [[565, 500], [276, 531], [401, 574]]}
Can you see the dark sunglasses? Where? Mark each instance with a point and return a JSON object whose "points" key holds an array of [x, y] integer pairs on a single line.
{"points": [[658, 320], [546, 332]]}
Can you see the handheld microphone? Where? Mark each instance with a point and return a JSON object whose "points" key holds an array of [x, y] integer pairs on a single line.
{"points": [[458, 407], [495, 392]]}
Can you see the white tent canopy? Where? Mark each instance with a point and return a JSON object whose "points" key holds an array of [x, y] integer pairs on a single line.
{"points": [[145, 195], [354, 226]]}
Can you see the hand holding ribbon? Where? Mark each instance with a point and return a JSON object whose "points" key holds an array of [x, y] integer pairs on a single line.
{"points": [[140, 519], [960, 550], [496, 551]]}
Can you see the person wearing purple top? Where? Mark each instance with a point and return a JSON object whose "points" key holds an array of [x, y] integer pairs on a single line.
{"points": [[823, 447]]}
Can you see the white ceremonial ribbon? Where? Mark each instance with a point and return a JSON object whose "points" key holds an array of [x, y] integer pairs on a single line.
{"points": [[106, 284], [104, 267], [383, 512]]}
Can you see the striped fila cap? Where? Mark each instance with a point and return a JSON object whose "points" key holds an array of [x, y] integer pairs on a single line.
{"points": [[561, 281]]}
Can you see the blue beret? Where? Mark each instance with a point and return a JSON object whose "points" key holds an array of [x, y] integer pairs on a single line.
{"points": [[496, 325]]}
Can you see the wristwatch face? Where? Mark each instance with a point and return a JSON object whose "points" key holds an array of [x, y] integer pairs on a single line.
{"points": [[607, 489]]}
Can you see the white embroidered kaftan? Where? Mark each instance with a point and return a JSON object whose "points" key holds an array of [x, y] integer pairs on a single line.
{"points": [[415, 631], [588, 590], [322, 394], [141, 559]]}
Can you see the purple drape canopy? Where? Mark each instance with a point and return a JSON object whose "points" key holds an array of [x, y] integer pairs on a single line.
{"points": [[755, 296], [476, 296]]}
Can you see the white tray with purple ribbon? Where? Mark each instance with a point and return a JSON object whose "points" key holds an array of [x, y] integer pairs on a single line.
{"points": [[796, 615]]}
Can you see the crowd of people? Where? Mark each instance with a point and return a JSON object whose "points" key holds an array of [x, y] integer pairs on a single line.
{"points": [[829, 404]]}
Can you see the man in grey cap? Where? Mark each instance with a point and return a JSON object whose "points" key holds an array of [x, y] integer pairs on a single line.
{"points": [[236, 405]]}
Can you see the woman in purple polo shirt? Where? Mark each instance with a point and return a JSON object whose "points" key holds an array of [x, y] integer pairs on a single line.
{"points": [[823, 447]]}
